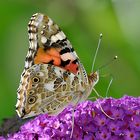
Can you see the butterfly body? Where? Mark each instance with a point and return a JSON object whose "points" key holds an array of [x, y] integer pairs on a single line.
{"points": [[53, 76]]}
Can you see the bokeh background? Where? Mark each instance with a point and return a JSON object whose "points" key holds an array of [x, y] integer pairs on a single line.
{"points": [[82, 21]]}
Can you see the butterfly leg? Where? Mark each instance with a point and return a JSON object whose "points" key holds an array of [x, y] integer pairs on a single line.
{"points": [[110, 82], [101, 106], [72, 122], [77, 99], [109, 85], [98, 95]]}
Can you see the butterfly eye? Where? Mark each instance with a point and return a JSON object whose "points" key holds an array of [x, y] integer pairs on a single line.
{"points": [[36, 79], [32, 99]]}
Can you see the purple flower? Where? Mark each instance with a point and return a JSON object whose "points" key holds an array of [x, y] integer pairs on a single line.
{"points": [[101, 120], [135, 122], [131, 135], [89, 136], [90, 123], [103, 134], [117, 112], [2, 138], [114, 127]]}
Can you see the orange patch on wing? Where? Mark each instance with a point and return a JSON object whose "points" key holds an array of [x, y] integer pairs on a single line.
{"points": [[43, 56], [72, 68]]}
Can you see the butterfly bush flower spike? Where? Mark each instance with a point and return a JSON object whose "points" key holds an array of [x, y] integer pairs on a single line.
{"points": [[89, 122]]}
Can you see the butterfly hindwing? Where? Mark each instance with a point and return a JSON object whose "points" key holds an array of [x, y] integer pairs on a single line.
{"points": [[47, 89]]}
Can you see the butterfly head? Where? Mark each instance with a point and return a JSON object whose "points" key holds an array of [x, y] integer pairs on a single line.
{"points": [[94, 78]]}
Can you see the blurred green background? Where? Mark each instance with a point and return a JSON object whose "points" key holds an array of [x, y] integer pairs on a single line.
{"points": [[82, 21]]}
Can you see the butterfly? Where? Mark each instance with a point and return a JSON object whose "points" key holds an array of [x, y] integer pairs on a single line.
{"points": [[53, 76]]}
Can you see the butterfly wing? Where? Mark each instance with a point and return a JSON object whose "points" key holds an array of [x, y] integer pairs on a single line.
{"points": [[49, 53], [49, 45], [47, 89]]}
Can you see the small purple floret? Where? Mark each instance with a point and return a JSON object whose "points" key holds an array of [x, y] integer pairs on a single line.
{"points": [[90, 123]]}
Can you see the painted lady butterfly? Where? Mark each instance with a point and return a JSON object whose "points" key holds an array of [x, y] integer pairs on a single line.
{"points": [[53, 76]]}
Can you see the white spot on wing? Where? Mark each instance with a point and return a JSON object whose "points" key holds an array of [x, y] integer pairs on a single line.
{"points": [[50, 22], [18, 113], [43, 39], [32, 35], [18, 103], [49, 86], [57, 71], [60, 35], [33, 44], [67, 56], [42, 32], [54, 38], [39, 19], [26, 64], [41, 74], [29, 54]]}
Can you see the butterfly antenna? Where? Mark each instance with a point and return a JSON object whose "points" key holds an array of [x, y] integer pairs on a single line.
{"points": [[94, 59], [109, 85], [108, 63]]}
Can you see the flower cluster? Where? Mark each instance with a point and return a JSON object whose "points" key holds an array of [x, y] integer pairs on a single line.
{"points": [[90, 123]]}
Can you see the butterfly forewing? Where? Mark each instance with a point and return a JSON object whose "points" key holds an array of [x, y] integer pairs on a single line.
{"points": [[49, 45]]}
